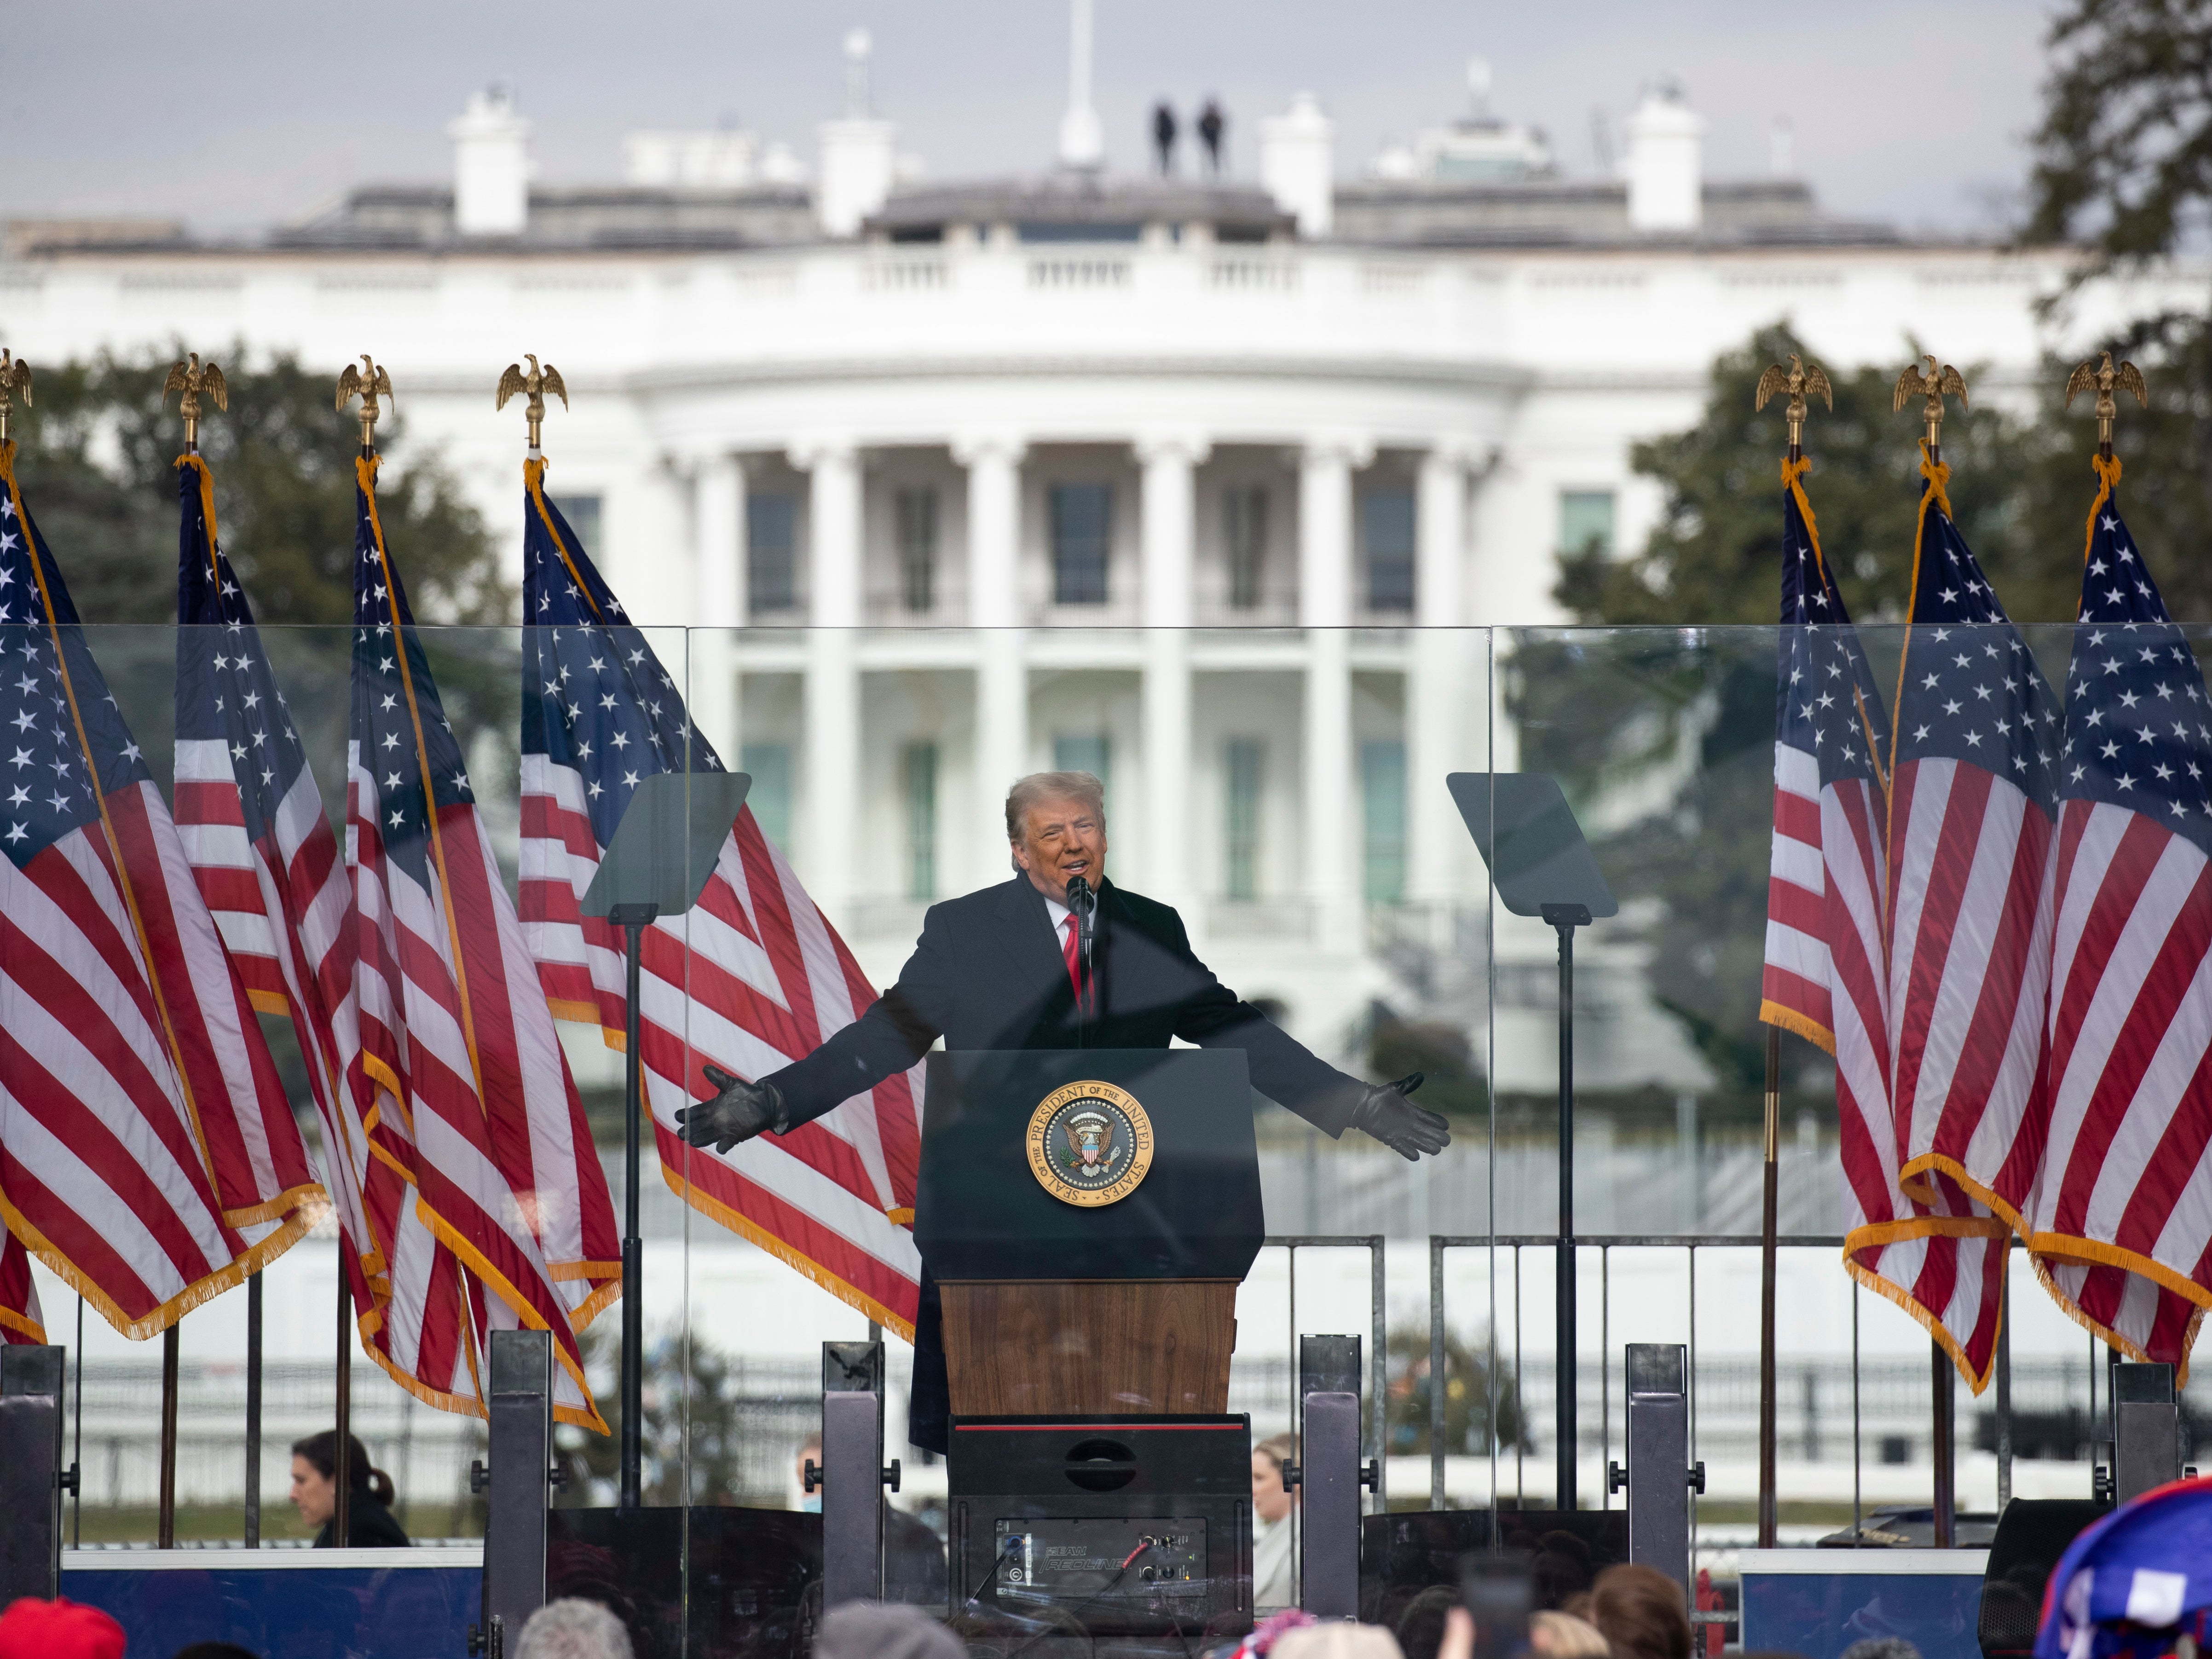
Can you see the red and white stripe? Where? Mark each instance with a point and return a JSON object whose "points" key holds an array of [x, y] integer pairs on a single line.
{"points": [[1970, 976], [2121, 1221], [751, 979], [279, 904], [147, 1152], [284, 906], [1969, 968], [506, 1176], [1795, 989]]}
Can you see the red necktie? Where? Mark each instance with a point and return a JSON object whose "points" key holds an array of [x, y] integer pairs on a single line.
{"points": [[1074, 960]]}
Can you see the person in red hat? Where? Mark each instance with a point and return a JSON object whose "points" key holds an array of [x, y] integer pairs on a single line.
{"points": [[59, 1630]]}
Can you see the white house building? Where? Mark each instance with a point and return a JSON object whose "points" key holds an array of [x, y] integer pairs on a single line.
{"points": [[1187, 481]]}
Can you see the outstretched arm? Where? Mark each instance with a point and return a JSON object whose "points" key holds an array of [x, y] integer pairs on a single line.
{"points": [[1285, 1070], [896, 1030]]}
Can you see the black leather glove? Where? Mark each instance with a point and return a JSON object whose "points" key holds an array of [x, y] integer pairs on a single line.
{"points": [[739, 1112], [1385, 1113]]}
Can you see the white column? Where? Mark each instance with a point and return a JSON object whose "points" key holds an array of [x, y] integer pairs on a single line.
{"points": [[994, 527], [718, 518], [1324, 575], [1168, 527], [832, 761], [833, 502], [1002, 715], [1435, 676], [1440, 537]]}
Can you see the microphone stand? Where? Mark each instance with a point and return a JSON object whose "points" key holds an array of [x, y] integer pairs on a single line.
{"points": [[1084, 904]]}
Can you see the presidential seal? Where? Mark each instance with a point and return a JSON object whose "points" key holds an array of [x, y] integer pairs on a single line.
{"points": [[1090, 1143]]}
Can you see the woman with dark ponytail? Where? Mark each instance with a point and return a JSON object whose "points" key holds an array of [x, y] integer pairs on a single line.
{"points": [[369, 1524]]}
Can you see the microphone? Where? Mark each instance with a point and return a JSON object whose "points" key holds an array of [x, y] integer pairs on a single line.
{"points": [[1084, 904]]}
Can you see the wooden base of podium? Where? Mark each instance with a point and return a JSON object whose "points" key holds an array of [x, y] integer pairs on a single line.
{"points": [[1032, 1348]]}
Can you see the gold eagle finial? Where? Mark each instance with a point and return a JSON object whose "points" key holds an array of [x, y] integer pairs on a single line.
{"points": [[14, 377], [1934, 385], [367, 383], [196, 380], [536, 384], [2105, 379], [1800, 380]]}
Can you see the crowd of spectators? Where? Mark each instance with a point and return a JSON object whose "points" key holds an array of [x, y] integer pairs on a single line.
{"points": [[1629, 1613]]}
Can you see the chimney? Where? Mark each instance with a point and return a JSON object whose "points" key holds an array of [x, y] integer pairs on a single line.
{"points": [[859, 157], [1082, 140], [1665, 163], [491, 166], [1297, 164]]}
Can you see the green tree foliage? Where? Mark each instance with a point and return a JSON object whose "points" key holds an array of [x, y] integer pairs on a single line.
{"points": [[2124, 152], [695, 1424], [1468, 1427], [1712, 558], [1451, 1082], [98, 464], [2124, 172]]}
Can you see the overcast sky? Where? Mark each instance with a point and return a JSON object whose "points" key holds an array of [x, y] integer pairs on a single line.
{"points": [[234, 114]]}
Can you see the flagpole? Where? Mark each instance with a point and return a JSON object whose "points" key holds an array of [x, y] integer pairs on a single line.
{"points": [[1942, 1398], [193, 379], [342, 1452], [341, 1459], [165, 1530], [1769, 1508], [1795, 382]]}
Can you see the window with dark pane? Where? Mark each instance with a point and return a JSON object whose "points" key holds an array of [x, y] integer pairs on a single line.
{"points": [[771, 553], [1240, 816], [1081, 539], [917, 776], [1586, 521], [769, 765], [582, 512], [1383, 815], [1386, 528], [1244, 536], [917, 548], [1087, 751]]}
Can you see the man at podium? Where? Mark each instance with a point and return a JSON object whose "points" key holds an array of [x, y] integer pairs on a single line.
{"points": [[1057, 957]]}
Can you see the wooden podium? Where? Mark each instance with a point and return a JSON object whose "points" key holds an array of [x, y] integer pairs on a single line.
{"points": [[1089, 1347], [1055, 1306]]}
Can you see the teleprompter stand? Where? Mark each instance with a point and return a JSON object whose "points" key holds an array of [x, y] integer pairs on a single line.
{"points": [[1097, 1481], [1541, 867], [656, 865]]}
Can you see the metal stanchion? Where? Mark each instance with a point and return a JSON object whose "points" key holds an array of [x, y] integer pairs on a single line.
{"points": [[1330, 1475], [519, 1477], [32, 1477], [1659, 1476], [852, 1476]]}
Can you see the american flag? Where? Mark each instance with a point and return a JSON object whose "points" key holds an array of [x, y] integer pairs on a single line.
{"points": [[20, 1321], [268, 863], [1827, 972], [148, 1154], [454, 1028], [2121, 1219], [1971, 806], [1830, 732], [751, 978]]}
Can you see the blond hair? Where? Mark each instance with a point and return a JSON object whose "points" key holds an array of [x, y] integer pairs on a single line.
{"points": [[1040, 786], [1563, 1636], [1339, 1638]]}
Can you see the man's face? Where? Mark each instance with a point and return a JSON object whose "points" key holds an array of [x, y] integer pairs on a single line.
{"points": [[1061, 840]]}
